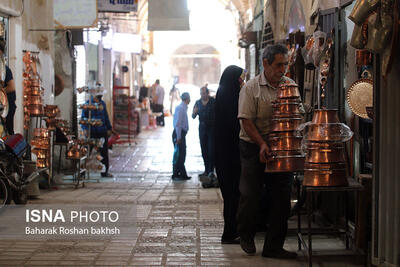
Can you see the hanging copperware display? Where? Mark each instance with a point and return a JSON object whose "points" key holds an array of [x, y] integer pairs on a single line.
{"points": [[284, 143]]}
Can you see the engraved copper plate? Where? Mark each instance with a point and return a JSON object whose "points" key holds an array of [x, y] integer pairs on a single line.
{"points": [[360, 96]]}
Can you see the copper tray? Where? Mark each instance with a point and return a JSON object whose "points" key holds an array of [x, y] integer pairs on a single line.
{"points": [[360, 96]]}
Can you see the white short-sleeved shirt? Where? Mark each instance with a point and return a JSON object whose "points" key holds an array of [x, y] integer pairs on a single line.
{"points": [[255, 104]]}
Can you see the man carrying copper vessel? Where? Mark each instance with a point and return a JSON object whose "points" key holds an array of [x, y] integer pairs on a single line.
{"points": [[255, 114]]}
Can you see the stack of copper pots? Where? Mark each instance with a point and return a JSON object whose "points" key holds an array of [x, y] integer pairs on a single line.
{"points": [[284, 143], [33, 105], [325, 151], [51, 111], [77, 149], [41, 144]]}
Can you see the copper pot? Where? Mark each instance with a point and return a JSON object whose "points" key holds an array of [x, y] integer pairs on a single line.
{"points": [[318, 154], [331, 132], [41, 163], [286, 108], [285, 161], [73, 152], [51, 110], [285, 143], [363, 57], [40, 153], [35, 109], [317, 177], [35, 100], [34, 83], [325, 116], [41, 132], [325, 166], [287, 124], [288, 91], [43, 143], [35, 91]]}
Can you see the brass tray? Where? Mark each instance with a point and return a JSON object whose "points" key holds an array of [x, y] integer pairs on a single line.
{"points": [[360, 96]]}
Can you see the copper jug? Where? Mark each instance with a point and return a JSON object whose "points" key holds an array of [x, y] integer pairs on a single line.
{"points": [[362, 9], [357, 39]]}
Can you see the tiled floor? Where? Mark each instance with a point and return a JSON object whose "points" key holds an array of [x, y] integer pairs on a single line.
{"points": [[178, 223]]}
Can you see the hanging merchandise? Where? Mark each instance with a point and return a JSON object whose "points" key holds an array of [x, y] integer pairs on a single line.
{"points": [[318, 46], [285, 144], [382, 17], [323, 144], [307, 55], [360, 96]]}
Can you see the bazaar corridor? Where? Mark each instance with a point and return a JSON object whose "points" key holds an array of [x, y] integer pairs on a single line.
{"points": [[178, 222]]}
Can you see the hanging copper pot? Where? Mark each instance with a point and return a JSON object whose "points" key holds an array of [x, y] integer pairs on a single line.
{"points": [[35, 110], [363, 57], [51, 110], [35, 91], [43, 143], [41, 132], [325, 116], [288, 91], [34, 100], [285, 161], [285, 124], [41, 163], [317, 177], [40, 153], [285, 143], [362, 9], [73, 152]]}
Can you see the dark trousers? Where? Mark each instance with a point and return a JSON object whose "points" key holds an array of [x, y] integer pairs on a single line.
{"points": [[103, 149], [159, 119], [278, 188], [179, 167], [207, 136], [228, 174], [11, 112]]}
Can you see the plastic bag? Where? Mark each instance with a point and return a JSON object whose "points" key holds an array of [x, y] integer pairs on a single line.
{"points": [[176, 154]]}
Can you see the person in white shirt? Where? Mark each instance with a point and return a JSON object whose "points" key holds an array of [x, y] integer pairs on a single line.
{"points": [[181, 127], [158, 102]]}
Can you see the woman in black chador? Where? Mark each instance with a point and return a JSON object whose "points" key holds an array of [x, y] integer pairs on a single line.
{"points": [[227, 159]]}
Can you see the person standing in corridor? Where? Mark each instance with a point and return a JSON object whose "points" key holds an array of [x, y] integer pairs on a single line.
{"points": [[181, 127], [227, 157], [205, 108], [158, 102]]}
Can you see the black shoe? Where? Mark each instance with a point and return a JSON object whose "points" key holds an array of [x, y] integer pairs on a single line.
{"points": [[248, 246], [207, 185], [107, 175], [203, 174], [181, 178], [230, 241], [279, 254]]}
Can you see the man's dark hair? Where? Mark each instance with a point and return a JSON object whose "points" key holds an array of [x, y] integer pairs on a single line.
{"points": [[271, 50], [157, 81], [207, 90]]}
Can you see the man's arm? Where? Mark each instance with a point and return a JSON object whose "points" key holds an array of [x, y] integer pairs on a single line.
{"points": [[252, 132], [195, 111]]}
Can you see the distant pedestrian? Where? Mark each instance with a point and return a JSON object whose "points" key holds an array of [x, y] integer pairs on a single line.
{"points": [[173, 98], [205, 108], [158, 102], [227, 156], [181, 127]]}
